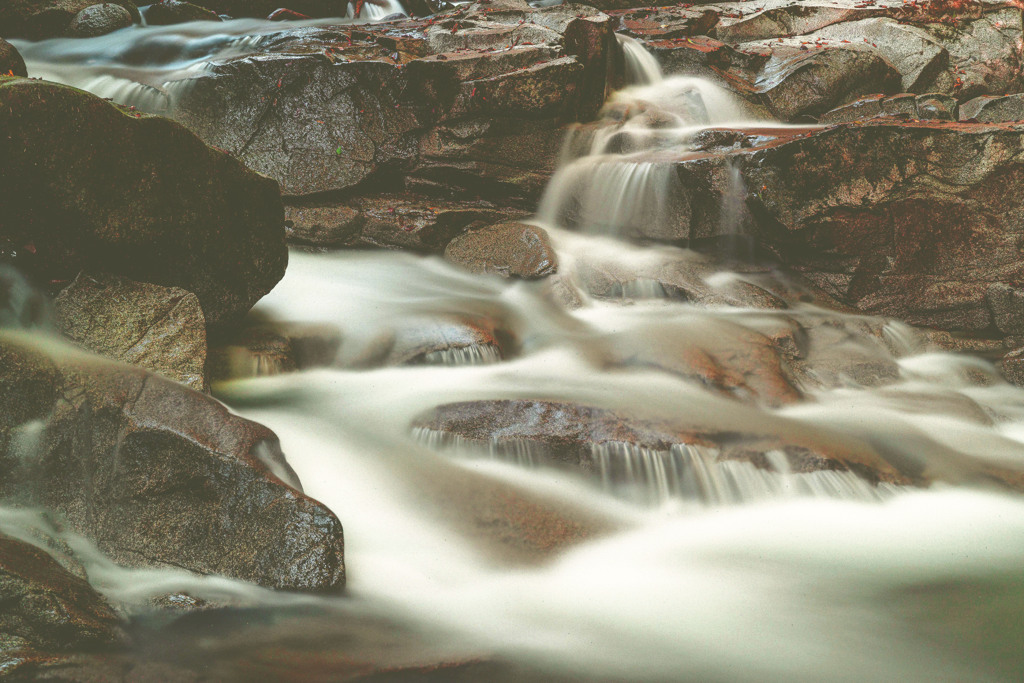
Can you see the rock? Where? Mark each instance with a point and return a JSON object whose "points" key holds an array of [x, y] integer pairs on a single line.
{"points": [[92, 186], [909, 220], [931, 106], [40, 19], [989, 109], [937, 107], [97, 20], [47, 609], [11, 63], [506, 249], [287, 15], [1012, 367], [472, 101], [157, 474], [260, 9], [161, 329], [166, 12], [401, 221], [572, 434]]}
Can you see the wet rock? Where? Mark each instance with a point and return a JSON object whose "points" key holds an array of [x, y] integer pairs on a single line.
{"points": [[11, 63], [472, 101], [168, 12], [89, 185], [568, 433], [993, 109], [97, 20], [928, 107], [40, 19], [156, 474], [401, 221], [47, 610], [260, 9], [161, 329], [937, 107], [287, 15], [1012, 367], [506, 249]]}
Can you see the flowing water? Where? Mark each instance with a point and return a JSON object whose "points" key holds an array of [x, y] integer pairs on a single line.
{"points": [[681, 565]]}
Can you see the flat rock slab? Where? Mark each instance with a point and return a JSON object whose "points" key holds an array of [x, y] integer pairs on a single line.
{"points": [[88, 185], [161, 329], [157, 474]]}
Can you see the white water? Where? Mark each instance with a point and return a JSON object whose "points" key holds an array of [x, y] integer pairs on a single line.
{"points": [[690, 568]]}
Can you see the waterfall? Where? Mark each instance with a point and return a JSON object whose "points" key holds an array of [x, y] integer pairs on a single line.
{"points": [[641, 66]]}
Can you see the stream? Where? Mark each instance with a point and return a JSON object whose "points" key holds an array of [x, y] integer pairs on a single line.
{"points": [[648, 565]]}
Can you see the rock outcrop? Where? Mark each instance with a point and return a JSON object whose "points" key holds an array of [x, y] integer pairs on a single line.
{"points": [[156, 474], [90, 185], [472, 100]]}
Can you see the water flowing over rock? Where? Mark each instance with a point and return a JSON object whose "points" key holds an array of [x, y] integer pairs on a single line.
{"points": [[472, 99], [47, 609], [87, 184], [158, 475], [39, 19], [158, 328]]}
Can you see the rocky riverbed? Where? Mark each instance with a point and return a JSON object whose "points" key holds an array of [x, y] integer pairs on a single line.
{"points": [[602, 329]]}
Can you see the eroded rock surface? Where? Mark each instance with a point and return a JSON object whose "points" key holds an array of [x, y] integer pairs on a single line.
{"points": [[507, 249], [156, 474]]}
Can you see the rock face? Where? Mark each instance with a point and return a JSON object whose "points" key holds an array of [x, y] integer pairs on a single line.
{"points": [[89, 185], [11, 63], [97, 20], [158, 328], [994, 109], [156, 474], [506, 249], [46, 608], [473, 100], [39, 19], [168, 12], [802, 59]]}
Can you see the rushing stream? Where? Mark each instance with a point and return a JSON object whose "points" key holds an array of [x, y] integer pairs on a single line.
{"points": [[679, 567]]}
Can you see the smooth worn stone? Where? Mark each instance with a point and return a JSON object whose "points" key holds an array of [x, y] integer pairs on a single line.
{"points": [[41, 19], [472, 101], [507, 249], [149, 200], [158, 475], [168, 12], [161, 329], [97, 20], [47, 609], [937, 107], [993, 109], [11, 63]]}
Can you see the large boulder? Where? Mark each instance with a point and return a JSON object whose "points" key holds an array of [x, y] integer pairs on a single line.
{"points": [[90, 185], [168, 12], [474, 99], [39, 19], [98, 20], [47, 609], [11, 63], [158, 328], [157, 474], [506, 249]]}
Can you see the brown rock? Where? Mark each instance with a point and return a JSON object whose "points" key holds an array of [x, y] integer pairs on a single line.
{"points": [[11, 63], [40, 19], [161, 329], [506, 249]]}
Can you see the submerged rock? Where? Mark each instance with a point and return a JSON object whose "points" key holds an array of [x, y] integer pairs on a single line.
{"points": [[90, 185], [161, 329], [47, 609], [506, 249], [156, 474]]}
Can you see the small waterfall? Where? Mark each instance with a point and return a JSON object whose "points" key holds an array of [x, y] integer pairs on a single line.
{"points": [[734, 216], [522, 452], [641, 66], [475, 354]]}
